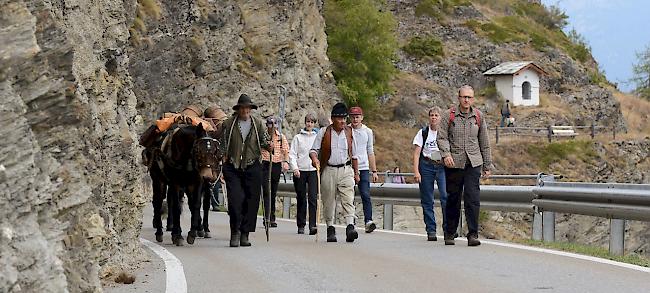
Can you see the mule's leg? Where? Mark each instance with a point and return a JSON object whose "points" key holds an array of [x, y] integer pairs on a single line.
{"points": [[194, 200], [170, 217], [207, 195], [158, 194], [173, 199]]}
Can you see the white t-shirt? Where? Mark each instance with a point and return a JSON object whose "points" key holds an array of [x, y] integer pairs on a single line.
{"points": [[430, 148]]}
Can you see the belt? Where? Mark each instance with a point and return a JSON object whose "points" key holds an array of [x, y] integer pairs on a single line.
{"points": [[348, 163], [437, 162]]}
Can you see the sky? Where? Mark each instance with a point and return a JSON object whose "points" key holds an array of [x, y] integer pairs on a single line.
{"points": [[615, 30]]}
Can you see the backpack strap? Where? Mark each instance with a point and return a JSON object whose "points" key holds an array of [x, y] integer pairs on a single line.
{"points": [[425, 135], [477, 116], [348, 135]]}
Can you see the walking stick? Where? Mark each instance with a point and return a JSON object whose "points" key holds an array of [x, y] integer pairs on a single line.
{"points": [[267, 212], [318, 202]]}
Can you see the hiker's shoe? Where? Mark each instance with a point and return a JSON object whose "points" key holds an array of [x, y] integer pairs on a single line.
{"points": [[431, 236], [313, 230], [449, 239], [351, 233], [301, 230], [331, 234], [244, 239], [472, 240], [234, 239], [370, 226], [274, 224]]}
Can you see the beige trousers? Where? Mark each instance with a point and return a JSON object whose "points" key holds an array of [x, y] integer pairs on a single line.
{"points": [[338, 183]]}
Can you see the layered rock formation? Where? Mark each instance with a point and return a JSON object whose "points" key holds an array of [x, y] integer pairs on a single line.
{"points": [[79, 80]]}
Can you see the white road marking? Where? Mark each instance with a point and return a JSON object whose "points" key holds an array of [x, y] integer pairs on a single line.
{"points": [[175, 275], [523, 247]]}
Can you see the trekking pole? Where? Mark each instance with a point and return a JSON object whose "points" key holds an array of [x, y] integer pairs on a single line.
{"points": [[318, 202], [267, 212]]}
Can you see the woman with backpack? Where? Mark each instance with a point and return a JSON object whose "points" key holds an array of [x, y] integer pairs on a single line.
{"points": [[429, 168]]}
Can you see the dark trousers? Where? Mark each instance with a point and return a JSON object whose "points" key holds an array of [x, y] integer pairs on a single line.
{"points": [[306, 191], [465, 183], [275, 179], [244, 187]]}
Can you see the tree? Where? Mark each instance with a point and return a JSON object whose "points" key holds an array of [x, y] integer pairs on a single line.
{"points": [[361, 47], [641, 70]]}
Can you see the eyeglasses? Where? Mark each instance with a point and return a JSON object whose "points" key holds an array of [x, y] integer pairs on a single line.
{"points": [[466, 97]]}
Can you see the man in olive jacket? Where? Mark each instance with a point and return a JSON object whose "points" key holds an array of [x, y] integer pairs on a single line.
{"points": [[243, 139]]}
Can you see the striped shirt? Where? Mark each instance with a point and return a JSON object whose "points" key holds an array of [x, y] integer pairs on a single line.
{"points": [[280, 149]]}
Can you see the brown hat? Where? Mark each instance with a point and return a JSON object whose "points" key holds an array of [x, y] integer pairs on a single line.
{"points": [[192, 111], [214, 112]]}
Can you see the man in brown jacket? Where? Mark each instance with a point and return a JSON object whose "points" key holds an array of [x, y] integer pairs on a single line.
{"points": [[465, 147], [340, 170]]}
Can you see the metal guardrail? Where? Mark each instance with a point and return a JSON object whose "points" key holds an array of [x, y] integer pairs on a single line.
{"points": [[616, 201]]}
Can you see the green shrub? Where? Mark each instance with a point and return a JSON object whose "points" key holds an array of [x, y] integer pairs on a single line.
{"points": [[427, 47], [552, 17], [438, 8], [361, 47], [490, 92], [556, 151]]}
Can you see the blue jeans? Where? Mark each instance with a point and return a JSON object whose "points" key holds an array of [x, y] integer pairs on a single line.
{"points": [[364, 190], [429, 173]]}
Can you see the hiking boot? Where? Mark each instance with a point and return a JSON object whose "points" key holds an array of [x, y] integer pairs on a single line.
{"points": [[273, 224], [472, 240], [313, 230], [350, 233], [449, 239], [301, 230], [331, 234], [234, 239], [244, 239], [431, 236], [370, 226]]}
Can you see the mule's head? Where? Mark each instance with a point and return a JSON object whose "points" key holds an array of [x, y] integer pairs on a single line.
{"points": [[206, 154]]}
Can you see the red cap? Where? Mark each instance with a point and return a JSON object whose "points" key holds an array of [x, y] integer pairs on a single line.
{"points": [[356, 111]]}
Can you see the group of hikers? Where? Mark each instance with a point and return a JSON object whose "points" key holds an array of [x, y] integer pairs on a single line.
{"points": [[452, 150]]}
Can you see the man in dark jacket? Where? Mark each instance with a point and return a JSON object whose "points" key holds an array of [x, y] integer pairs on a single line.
{"points": [[244, 138]]}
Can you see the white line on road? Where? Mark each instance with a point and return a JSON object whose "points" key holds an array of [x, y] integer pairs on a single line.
{"points": [[176, 282], [524, 247]]}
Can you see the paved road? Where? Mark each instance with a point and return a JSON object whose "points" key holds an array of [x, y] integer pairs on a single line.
{"points": [[383, 262]]}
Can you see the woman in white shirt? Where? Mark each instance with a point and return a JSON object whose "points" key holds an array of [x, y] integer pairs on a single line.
{"points": [[305, 181], [428, 167]]}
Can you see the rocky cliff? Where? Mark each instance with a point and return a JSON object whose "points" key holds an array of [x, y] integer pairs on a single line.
{"points": [[79, 80]]}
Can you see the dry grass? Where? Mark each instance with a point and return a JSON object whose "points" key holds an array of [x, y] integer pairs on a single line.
{"points": [[150, 8], [637, 115]]}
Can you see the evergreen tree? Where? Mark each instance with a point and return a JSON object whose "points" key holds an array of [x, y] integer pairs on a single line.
{"points": [[361, 47], [641, 72]]}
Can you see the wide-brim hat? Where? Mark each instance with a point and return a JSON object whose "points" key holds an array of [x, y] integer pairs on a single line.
{"points": [[339, 110], [244, 101]]}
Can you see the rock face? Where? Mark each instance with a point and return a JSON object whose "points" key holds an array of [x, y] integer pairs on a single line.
{"points": [[467, 55], [79, 79], [208, 52]]}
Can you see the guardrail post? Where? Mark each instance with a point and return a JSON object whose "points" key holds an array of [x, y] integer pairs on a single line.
{"points": [[616, 236], [388, 216], [593, 129], [286, 207], [548, 225], [550, 132], [497, 135], [537, 226]]}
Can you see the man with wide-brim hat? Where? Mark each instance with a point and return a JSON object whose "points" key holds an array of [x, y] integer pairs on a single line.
{"points": [[243, 140], [335, 153]]}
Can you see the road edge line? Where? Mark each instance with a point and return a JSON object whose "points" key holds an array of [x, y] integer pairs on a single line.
{"points": [[523, 247], [175, 275]]}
